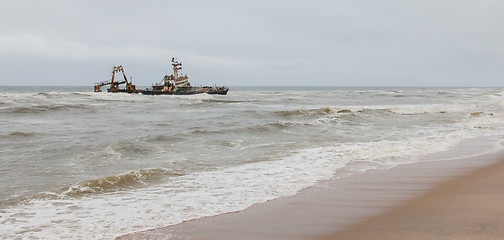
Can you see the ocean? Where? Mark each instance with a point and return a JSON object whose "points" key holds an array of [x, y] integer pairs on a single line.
{"points": [[75, 164]]}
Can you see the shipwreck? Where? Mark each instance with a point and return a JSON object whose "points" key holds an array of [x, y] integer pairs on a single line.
{"points": [[115, 84], [175, 84]]}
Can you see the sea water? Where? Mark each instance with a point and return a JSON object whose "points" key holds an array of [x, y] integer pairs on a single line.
{"points": [[75, 164]]}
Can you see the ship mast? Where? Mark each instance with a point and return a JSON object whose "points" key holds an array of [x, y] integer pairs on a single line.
{"points": [[176, 67]]}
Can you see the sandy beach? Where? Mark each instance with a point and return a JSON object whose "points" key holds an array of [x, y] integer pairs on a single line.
{"points": [[468, 207], [433, 199]]}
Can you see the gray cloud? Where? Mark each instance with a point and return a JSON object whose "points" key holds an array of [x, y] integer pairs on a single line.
{"points": [[376, 43]]}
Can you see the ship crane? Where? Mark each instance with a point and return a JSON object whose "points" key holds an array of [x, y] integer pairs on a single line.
{"points": [[114, 85]]}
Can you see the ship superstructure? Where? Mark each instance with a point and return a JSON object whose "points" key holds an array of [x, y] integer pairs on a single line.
{"points": [[178, 84]]}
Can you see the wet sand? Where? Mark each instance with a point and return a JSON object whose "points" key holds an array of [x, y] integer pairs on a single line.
{"points": [[468, 207], [372, 206]]}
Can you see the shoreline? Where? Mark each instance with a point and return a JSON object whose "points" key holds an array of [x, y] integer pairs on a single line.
{"points": [[320, 211], [467, 207]]}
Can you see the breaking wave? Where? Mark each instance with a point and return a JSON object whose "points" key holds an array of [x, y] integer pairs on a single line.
{"points": [[46, 108], [326, 111], [262, 128], [161, 138], [122, 182], [125, 181], [18, 134], [222, 101], [49, 94], [130, 148], [329, 115], [305, 112], [378, 111], [85, 94], [363, 111]]}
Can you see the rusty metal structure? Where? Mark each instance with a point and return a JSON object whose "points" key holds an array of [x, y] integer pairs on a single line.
{"points": [[178, 84], [114, 85], [175, 84]]}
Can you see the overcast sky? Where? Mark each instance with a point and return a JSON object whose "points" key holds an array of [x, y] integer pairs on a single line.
{"points": [[250, 43]]}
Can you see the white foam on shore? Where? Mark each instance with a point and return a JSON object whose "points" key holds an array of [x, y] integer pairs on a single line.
{"points": [[104, 216]]}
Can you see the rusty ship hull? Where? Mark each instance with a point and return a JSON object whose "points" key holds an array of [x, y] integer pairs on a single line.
{"points": [[188, 91], [192, 91]]}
